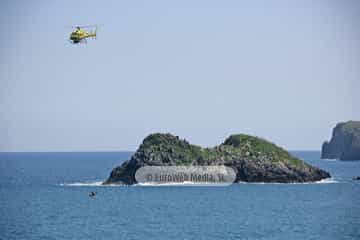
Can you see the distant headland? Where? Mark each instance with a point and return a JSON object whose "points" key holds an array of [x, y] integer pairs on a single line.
{"points": [[253, 159], [344, 143]]}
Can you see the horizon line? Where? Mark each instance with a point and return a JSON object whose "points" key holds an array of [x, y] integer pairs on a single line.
{"points": [[128, 151]]}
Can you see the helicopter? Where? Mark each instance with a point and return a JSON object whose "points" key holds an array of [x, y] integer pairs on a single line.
{"points": [[79, 35]]}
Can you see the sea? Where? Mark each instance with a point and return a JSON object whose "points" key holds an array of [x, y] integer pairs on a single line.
{"points": [[46, 196]]}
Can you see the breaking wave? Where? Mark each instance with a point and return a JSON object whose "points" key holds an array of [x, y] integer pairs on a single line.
{"points": [[323, 181], [186, 183], [99, 184], [83, 184], [327, 180]]}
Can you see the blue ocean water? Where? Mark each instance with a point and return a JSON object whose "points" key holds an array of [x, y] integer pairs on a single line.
{"points": [[45, 196]]}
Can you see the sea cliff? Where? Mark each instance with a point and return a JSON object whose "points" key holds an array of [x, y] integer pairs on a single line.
{"points": [[344, 143]]}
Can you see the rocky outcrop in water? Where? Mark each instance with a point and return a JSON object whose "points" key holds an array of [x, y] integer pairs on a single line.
{"points": [[344, 143], [253, 159]]}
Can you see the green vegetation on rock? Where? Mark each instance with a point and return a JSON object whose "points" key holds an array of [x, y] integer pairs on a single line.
{"points": [[255, 159], [255, 147]]}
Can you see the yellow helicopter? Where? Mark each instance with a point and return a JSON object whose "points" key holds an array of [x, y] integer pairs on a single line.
{"points": [[79, 35]]}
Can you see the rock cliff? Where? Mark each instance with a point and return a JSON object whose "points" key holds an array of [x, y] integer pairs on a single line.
{"points": [[344, 143], [254, 159]]}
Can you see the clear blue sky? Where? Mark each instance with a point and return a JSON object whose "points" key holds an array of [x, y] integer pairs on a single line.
{"points": [[287, 71]]}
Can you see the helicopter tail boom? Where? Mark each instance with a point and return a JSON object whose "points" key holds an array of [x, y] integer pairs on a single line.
{"points": [[92, 34]]}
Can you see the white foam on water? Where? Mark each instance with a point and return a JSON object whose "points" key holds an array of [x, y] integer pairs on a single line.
{"points": [[329, 160], [327, 180], [323, 181], [91, 184], [82, 184], [185, 183]]}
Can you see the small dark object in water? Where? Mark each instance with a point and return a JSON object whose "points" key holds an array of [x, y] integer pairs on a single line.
{"points": [[92, 194], [357, 178]]}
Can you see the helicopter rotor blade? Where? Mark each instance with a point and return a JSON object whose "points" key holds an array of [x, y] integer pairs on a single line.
{"points": [[85, 26]]}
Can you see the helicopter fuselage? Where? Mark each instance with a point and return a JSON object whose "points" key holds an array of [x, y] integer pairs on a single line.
{"points": [[79, 35]]}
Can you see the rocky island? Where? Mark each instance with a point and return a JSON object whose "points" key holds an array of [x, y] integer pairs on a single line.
{"points": [[344, 143], [253, 159]]}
